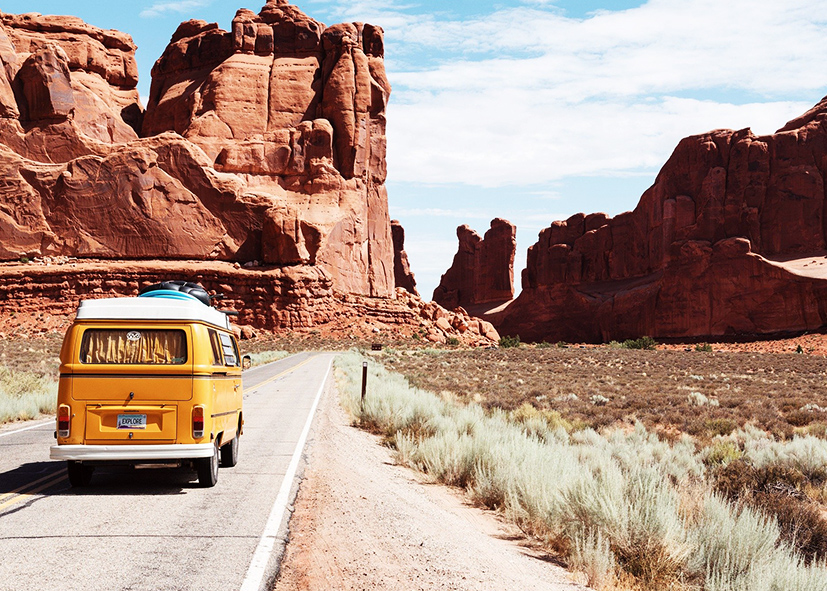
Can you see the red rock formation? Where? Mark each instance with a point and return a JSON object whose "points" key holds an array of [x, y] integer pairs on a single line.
{"points": [[403, 276], [717, 246], [46, 292], [483, 268], [282, 158], [263, 144]]}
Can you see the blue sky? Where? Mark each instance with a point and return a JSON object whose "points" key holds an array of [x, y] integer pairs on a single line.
{"points": [[533, 110]]}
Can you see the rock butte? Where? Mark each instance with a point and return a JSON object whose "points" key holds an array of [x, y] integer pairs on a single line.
{"points": [[729, 240], [483, 268], [262, 146]]}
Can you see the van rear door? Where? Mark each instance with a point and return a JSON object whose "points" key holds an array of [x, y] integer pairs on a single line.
{"points": [[134, 365]]}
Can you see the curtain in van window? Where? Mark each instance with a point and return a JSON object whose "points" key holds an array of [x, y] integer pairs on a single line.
{"points": [[165, 347]]}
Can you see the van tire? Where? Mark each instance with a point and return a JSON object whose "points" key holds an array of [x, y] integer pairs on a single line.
{"points": [[207, 469], [79, 474], [229, 453]]}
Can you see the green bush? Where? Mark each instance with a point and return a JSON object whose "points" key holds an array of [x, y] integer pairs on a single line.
{"points": [[645, 343], [721, 453], [453, 341], [705, 347], [507, 342]]}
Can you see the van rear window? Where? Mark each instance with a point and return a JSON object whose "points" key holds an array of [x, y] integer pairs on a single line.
{"points": [[133, 346]]}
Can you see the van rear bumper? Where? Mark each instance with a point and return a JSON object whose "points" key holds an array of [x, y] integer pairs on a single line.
{"points": [[180, 451]]}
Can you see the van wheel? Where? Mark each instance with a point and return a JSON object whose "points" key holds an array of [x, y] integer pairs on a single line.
{"points": [[207, 469], [79, 474], [229, 453]]}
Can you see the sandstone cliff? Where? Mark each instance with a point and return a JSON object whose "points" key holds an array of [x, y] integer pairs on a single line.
{"points": [[264, 143], [483, 268], [730, 239]]}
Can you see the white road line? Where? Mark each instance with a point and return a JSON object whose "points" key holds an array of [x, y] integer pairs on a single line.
{"points": [[258, 565], [29, 427]]}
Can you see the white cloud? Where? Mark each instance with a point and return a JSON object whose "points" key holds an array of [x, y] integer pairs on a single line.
{"points": [[527, 95], [180, 7]]}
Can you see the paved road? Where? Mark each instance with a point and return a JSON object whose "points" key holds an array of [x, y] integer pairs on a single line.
{"points": [[155, 529]]}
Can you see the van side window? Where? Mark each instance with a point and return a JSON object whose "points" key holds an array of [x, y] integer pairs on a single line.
{"points": [[229, 350], [135, 346], [215, 348]]}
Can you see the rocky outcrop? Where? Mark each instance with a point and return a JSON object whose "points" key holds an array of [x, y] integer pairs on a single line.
{"points": [[43, 294], [264, 143], [719, 245], [483, 268], [403, 276]]}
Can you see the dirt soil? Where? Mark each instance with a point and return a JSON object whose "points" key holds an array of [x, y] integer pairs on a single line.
{"points": [[363, 522]]}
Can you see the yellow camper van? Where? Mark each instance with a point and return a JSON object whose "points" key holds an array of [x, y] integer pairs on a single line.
{"points": [[153, 379]]}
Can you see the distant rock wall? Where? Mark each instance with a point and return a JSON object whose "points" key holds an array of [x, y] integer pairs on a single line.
{"points": [[482, 271], [705, 252]]}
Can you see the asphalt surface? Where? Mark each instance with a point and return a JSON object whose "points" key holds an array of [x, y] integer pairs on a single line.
{"points": [[155, 529]]}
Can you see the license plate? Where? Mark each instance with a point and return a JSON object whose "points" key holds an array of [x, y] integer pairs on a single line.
{"points": [[131, 421]]}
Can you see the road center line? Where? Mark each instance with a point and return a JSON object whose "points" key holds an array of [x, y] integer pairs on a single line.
{"points": [[42, 423], [22, 497], [27, 485], [277, 376], [258, 565]]}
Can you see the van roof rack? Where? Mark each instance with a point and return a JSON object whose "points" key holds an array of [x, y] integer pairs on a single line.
{"points": [[176, 290]]}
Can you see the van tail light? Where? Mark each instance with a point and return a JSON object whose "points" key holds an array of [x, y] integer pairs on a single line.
{"points": [[64, 419], [197, 422]]}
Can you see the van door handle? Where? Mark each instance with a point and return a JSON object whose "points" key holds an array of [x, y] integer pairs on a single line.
{"points": [[219, 373]]}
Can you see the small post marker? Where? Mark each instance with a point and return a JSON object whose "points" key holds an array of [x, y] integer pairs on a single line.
{"points": [[364, 384]]}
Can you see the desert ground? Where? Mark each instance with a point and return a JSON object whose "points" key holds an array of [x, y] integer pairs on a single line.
{"points": [[700, 392]]}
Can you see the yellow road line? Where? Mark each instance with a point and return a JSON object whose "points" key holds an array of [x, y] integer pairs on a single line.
{"points": [[25, 486], [275, 377], [22, 497]]}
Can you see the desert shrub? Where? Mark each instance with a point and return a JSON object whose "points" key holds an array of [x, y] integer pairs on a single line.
{"points": [[721, 452], [720, 426], [543, 345], [25, 395], [616, 501], [705, 347], [814, 429], [777, 490], [592, 554], [453, 341], [507, 342], [698, 399], [799, 418], [540, 421], [598, 400], [806, 454], [645, 343]]}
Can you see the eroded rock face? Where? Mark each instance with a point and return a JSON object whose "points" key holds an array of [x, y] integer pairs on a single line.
{"points": [[263, 143], [403, 276], [483, 268], [711, 249]]}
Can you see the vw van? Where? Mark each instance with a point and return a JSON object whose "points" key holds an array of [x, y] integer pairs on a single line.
{"points": [[149, 380]]}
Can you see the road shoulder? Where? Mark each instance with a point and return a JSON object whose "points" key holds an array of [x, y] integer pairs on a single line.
{"points": [[362, 522]]}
